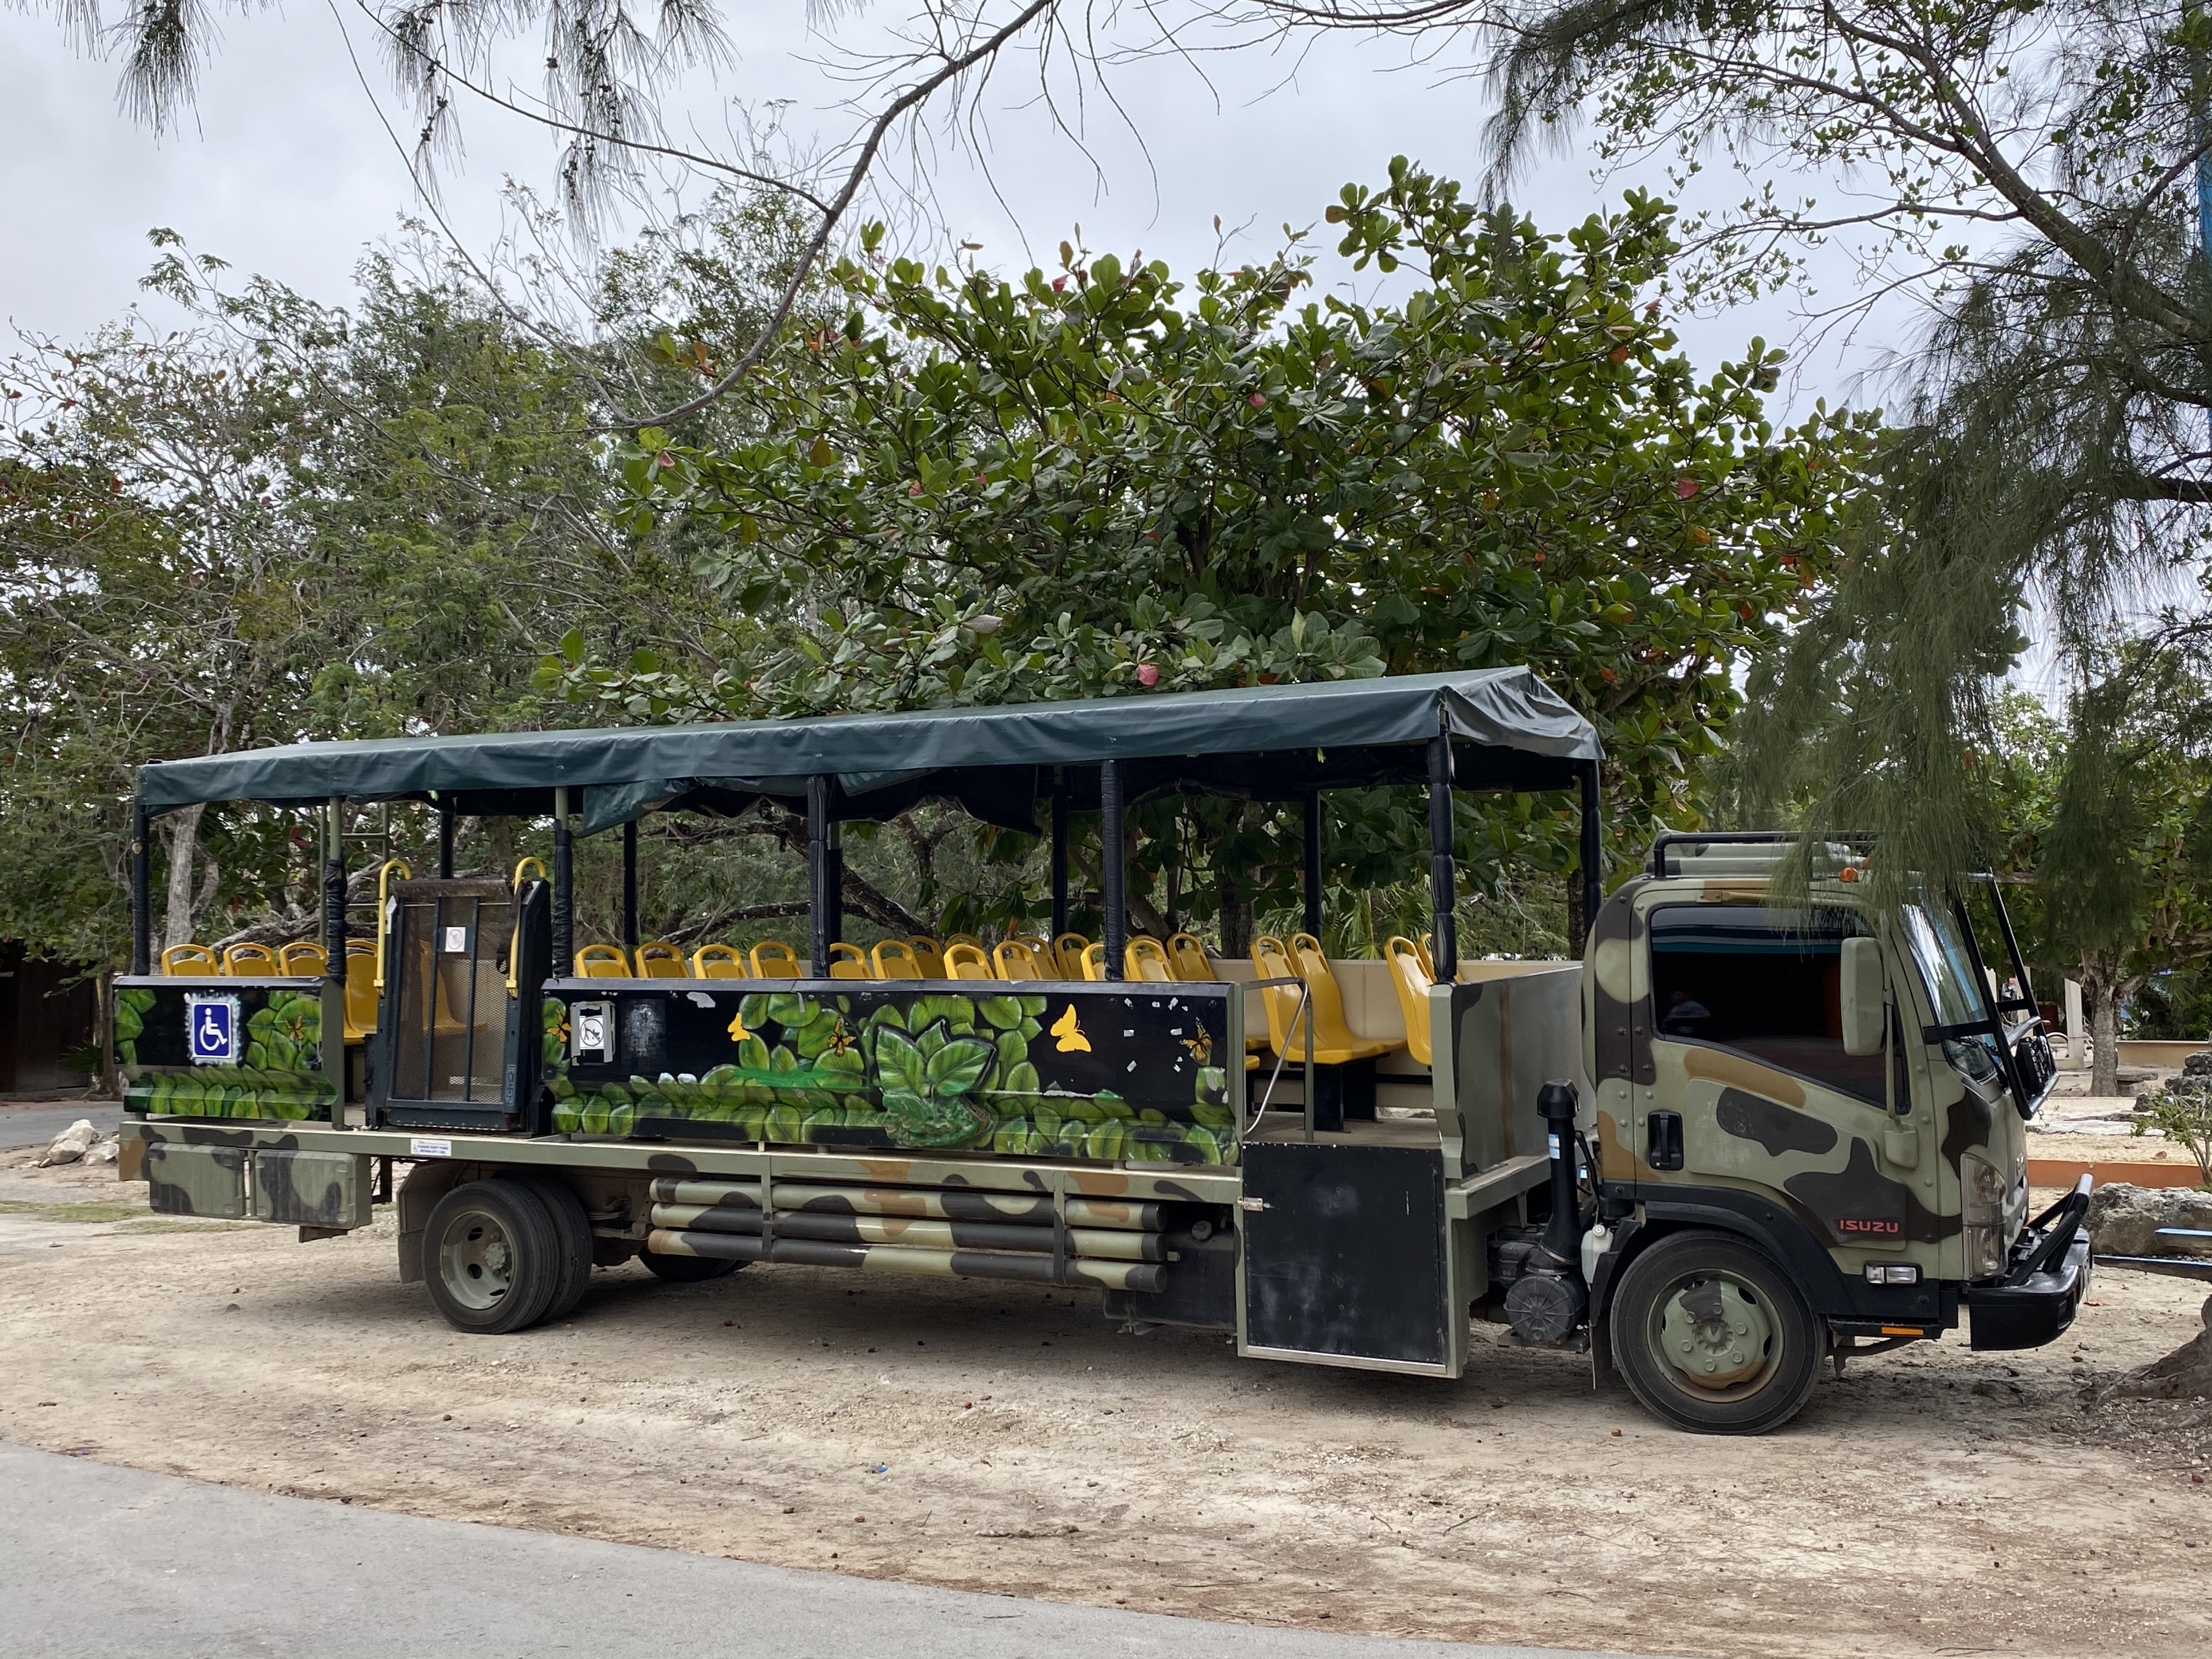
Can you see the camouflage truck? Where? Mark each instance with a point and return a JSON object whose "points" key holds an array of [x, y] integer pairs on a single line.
{"points": [[1739, 1140]]}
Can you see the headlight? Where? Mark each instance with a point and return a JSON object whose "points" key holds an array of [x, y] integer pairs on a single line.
{"points": [[1981, 1209]]}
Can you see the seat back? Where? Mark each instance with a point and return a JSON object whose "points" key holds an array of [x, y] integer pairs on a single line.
{"points": [[718, 962], [964, 960], [301, 958], [773, 959], [247, 960], [1330, 1030], [184, 960], [658, 959], [1411, 981], [1069, 948], [1093, 962], [360, 990], [1188, 957], [603, 961], [1427, 948], [951, 940], [1147, 959], [896, 958], [847, 961], [1273, 961], [1016, 959], [928, 956]]}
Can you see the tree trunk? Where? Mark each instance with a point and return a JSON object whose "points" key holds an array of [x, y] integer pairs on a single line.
{"points": [[184, 906], [2102, 1009], [1236, 903]]}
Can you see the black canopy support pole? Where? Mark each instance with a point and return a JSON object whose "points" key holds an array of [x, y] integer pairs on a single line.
{"points": [[821, 872], [445, 840], [1313, 883], [141, 889], [1593, 851], [1113, 876], [1443, 898], [1059, 851], [629, 885], [564, 889], [334, 889]]}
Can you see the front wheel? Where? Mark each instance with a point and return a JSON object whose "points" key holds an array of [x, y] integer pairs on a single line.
{"points": [[1712, 1337]]}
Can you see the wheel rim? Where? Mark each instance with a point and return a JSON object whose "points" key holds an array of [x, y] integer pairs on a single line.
{"points": [[477, 1260], [1716, 1337]]}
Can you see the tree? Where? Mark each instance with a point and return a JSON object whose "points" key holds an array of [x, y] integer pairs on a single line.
{"points": [[979, 489]]}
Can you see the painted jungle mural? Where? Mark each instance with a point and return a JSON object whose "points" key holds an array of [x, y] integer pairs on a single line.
{"points": [[272, 1051], [1116, 1075]]}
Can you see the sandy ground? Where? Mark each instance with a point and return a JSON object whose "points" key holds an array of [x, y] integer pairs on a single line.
{"points": [[955, 1433]]}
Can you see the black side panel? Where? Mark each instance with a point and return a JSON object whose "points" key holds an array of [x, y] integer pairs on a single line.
{"points": [[1198, 1288], [1347, 1259], [534, 966]]}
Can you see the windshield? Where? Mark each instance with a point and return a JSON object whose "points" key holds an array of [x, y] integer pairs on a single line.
{"points": [[1945, 964]]}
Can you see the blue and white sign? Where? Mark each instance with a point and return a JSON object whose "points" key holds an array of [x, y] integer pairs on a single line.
{"points": [[213, 1028]]}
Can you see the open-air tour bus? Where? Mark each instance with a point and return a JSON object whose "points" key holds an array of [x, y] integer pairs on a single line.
{"points": [[1312, 1152]]}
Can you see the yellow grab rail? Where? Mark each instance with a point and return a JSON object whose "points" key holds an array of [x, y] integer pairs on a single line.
{"points": [[383, 889]]}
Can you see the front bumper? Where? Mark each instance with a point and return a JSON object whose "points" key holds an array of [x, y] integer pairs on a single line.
{"points": [[2048, 1275]]}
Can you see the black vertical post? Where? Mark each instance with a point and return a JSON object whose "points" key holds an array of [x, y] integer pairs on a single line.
{"points": [[334, 890], [1313, 862], [1058, 852], [445, 841], [564, 889], [1443, 898], [1593, 852], [141, 889], [1113, 878], [629, 886], [821, 872]]}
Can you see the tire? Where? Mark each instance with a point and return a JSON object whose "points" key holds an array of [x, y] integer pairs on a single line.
{"points": [[688, 1269], [491, 1257], [573, 1227], [1712, 1337]]}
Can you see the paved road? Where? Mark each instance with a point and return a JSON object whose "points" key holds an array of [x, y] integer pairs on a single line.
{"points": [[35, 1125], [102, 1562]]}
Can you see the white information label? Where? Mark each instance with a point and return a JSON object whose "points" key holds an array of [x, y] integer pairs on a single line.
{"points": [[457, 941], [418, 1147]]}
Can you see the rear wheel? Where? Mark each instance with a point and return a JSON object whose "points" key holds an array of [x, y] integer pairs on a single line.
{"points": [[573, 1228], [1712, 1337], [492, 1257], [688, 1269]]}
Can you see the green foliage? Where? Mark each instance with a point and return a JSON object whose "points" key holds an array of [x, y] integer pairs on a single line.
{"points": [[2182, 1115]]}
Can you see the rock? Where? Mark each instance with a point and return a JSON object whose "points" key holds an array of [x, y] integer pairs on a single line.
{"points": [[2186, 1370], [106, 1153], [71, 1143], [2198, 1064], [2124, 1219]]}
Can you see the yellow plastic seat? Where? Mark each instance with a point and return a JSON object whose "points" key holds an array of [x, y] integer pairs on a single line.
{"points": [[658, 959], [1334, 1042], [847, 961], [896, 958], [951, 940], [773, 959], [965, 961], [180, 961], [603, 961], [1094, 961], [1016, 959], [1069, 949], [249, 961], [1144, 957], [928, 956], [1188, 956], [718, 962], [302, 958], [1411, 980], [1427, 948], [360, 990]]}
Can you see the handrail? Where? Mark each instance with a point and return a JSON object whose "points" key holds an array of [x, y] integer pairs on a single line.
{"points": [[1305, 997], [383, 890], [515, 937]]}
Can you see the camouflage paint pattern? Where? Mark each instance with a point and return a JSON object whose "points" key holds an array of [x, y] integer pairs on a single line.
{"points": [[1100, 1243], [310, 1189], [895, 1258], [1617, 1026], [280, 1075], [195, 1181], [958, 1204], [913, 1068]]}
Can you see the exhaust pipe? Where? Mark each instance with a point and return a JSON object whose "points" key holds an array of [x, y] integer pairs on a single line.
{"points": [[1549, 1299]]}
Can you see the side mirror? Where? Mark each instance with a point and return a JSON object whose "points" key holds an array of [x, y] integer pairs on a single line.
{"points": [[1861, 996]]}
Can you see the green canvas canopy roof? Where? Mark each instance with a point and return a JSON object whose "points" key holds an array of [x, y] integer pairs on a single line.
{"points": [[1509, 730]]}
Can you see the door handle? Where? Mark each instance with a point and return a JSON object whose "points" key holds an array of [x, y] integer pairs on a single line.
{"points": [[1662, 1147]]}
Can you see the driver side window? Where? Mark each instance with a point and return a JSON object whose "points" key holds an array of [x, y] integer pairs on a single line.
{"points": [[1766, 984]]}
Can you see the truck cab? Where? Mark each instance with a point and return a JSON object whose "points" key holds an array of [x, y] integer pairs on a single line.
{"points": [[1808, 1122]]}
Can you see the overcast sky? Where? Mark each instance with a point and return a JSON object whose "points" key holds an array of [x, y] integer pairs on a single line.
{"points": [[285, 168]]}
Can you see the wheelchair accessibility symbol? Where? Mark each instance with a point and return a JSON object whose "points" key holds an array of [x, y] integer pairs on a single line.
{"points": [[212, 1027]]}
